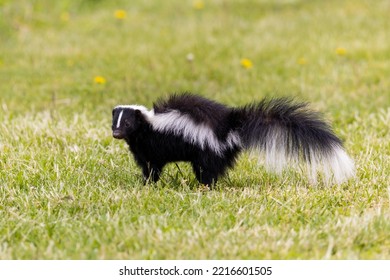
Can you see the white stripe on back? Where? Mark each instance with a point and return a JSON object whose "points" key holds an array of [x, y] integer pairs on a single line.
{"points": [[200, 134]]}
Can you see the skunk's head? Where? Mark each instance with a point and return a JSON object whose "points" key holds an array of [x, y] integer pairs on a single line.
{"points": [[126, 119]]}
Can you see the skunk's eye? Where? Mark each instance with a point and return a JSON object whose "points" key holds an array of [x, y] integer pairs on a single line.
{"points": [[127, 123]]}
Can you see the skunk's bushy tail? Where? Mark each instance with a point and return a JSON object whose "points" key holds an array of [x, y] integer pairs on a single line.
{"points": [[289, 133]]}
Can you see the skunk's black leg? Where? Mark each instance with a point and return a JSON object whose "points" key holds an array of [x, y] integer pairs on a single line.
{"points": [[152, 171], [145, 172], [155, 171], [204, 176]]}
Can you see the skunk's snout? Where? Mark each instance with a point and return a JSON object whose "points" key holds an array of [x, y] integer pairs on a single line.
{"points": [[117, 134]]}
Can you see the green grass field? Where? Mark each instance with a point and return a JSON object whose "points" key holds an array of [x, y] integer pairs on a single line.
{"points": [[68, 190]]}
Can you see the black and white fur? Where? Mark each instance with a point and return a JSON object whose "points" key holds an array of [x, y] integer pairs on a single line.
{"points": [[210, 135]]}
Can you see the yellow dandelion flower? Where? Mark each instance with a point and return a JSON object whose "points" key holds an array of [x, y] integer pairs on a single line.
{"points": [[120, 14], [65, 16], [341, 51], [198, 5], [302, 61], [246, 63], [99, 80]]}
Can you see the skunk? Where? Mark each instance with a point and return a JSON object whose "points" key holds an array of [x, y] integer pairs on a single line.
{"points": [[209, 135]]}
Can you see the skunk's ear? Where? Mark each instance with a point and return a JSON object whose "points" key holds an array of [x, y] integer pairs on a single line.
{"points": [[138, 114], [113, 112]]}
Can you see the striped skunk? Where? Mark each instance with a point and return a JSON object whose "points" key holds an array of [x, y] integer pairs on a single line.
{"points": [[209, 135]]}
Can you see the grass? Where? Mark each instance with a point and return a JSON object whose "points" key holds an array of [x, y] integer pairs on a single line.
{"points": [[69, 191]]}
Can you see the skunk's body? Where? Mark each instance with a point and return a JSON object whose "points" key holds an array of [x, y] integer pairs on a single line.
{"points": [[210, 135]]}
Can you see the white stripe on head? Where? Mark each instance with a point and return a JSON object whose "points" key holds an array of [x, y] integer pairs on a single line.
{"points": [[119, 119], [134, 107], [143, 109]]}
